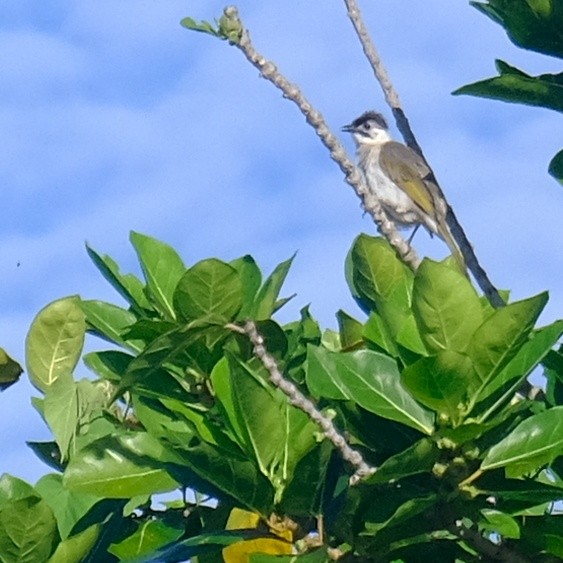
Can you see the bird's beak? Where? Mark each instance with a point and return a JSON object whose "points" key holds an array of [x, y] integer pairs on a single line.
{"points": [[348, 128]]}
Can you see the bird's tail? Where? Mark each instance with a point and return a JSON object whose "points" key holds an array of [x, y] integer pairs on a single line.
{"points": [[448, 238]]}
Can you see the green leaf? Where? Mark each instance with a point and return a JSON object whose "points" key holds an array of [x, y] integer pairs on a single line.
{"points": [[48, 453], [251, 279], [202, 26], [556, 167], [530, 24], [10, 370], [495, 521], [545, 90], [110, 364], [76, 548], [54, 341], [209, 288], [128, 286], [121, 466], [162, 268], [67, 506], [375, 274], [267, 299], [61, 412], [440, 382], [536, 441], [368, 378], [419, 458], [500, 337], [110, 322], [149, 536], [28, 531], [376, 331], [527, 359], [12, 489], [446, 307], [350, 329]]}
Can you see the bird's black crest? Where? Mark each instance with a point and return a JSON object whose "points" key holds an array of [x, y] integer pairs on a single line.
{"points": [[373, 115]]}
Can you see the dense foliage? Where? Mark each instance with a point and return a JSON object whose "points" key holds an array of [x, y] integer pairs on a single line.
{"points": [[424, 388]]}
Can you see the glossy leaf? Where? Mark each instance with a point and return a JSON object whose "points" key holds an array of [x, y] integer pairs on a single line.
{"points": [[12, 489], [267, 298], [61, 410], [75, 549], [527, 358], [500, 337], [54, 341], [530, 24], [446, 307], [28, 530], [440, 382], [162, 268], [251, 279], [350, 329], [536, 441], [374, 272], [497, 522], [120, 466], [67, 506], [150, 535], [110, 364], [127, 285], [368, 378], [209, 288], [513, 85], [110, 322]]}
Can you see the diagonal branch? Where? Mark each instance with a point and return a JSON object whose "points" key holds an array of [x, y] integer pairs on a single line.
{"points": [[392, 99], [231, 28]]}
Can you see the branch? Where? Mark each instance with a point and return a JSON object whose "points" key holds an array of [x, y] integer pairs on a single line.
{"points": [[299, 400], [493, 551], [392, 99], [232, 29]]}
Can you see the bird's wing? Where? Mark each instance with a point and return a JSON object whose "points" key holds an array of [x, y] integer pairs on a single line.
{"points": [[407, 169]]}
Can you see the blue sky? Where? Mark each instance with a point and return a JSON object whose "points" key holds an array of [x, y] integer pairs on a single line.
{"points": [[114, 118]]}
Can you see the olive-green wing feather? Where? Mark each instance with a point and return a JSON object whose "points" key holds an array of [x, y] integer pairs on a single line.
{"points": [[407, 169]]}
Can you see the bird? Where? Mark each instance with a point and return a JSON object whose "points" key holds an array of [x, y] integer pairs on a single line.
{"points": [[401, 180]]}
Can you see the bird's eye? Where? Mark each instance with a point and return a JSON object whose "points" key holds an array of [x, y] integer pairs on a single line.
{"points": [[367, 126]]}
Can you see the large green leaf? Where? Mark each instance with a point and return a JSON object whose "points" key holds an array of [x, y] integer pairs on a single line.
{"points": [[440, 382], [528, 357], [368, 378], [110, 322], [127, 285], [149, 536], [109, 364], [28, 531], [76, 548], [513, 85], [530, 24], [500, 337], [533, 443], [68, 507], [54, 341], [446, 307], [374, 273], [209, 288], [162, 268], [251, 278], [121, 466], [12, 488], [267, 302], [62, 412]]}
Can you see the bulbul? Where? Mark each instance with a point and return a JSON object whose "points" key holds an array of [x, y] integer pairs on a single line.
{"points": [[400, 179]]}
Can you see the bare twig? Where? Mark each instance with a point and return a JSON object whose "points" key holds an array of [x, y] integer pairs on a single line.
{"points": [[352, 174], [392, 98], [297, 398]]}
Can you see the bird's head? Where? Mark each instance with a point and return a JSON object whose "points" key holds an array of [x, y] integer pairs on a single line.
{"points": [[369, 129]]}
